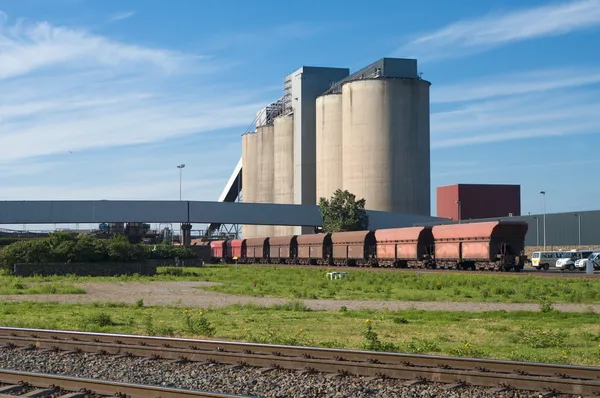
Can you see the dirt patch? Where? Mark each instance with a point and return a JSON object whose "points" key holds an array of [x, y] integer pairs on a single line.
{"points": [[187, 294]]}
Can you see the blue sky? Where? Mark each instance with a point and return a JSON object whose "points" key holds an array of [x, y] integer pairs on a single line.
{"points": [[102, 99]]}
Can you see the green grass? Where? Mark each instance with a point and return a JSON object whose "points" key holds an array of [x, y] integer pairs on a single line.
{"points": [[14, 285], [306, 283], [571, 338], [310, 283]]}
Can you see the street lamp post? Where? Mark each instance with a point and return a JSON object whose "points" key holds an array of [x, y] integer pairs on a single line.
{"points": [[543, 193], [180, 167], [459, 209], [579, 227]]}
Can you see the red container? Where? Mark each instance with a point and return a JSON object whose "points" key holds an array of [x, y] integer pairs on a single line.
{"points": [[314, 248], [483, 241], [236, 249], [283, 248], [353, 247], [218, 249], [257, 249], [403, 244]]}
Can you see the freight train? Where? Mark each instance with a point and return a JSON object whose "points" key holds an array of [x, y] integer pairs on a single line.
{"points": [[492, 246]]}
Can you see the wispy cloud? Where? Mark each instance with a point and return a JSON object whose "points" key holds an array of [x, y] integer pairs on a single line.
{"points": [[30, 47], [515, 84], [497, 29], [68, 90], [484, 112], [119, 16]]}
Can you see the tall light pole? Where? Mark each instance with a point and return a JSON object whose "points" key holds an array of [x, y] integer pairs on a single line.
{"points": [[543, 193], [180, 167], [537, 230], [459, 215], [579, 227]]}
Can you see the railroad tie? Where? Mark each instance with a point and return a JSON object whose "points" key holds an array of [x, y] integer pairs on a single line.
{"points": [[39, 393], [9, 389]]}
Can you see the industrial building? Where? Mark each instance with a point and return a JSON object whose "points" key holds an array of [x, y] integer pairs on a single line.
{"points": [[474, 201], [568, 229], [366, 132]]}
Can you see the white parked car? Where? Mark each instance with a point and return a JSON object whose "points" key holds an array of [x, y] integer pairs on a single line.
{"points": [[569, 262], [594, 258]]}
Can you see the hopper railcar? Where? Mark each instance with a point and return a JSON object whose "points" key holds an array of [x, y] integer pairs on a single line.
{"points": [[314, 249], [497, 245]]}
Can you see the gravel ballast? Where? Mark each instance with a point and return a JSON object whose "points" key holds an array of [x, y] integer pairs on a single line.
{"points": [[245, 381]]}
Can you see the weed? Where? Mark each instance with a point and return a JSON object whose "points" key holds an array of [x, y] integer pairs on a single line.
{"points": [[101, 319], [198, 325], [466, 350], [538, 338], [419, 346], [372, 342], [546, 306], [139, 303], [294, 305]]}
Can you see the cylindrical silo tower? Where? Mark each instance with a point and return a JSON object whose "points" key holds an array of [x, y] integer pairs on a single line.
{"points": [[385, 143], [283, 160], [249, 177], [329, 145], [265, 154]]}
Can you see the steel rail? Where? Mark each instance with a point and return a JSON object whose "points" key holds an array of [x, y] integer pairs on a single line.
{"points": [[108, 388], [493, 373]]}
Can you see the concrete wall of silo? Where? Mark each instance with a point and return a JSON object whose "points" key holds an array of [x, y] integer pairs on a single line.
{"points": [[385, 144], [265, 154], [283, 173], [329, 145], [249, 177], [307, 83]]}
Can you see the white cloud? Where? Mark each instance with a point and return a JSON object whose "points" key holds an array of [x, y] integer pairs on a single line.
{"points": [[29, 47], [119, 16], [497, 29], [515, 83], [66, 90], [484, 112]]}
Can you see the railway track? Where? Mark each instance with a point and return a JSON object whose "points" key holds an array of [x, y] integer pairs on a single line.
{"points": [[454, 371], [28, 384]]}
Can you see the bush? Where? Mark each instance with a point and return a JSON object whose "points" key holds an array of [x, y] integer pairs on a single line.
{"points": [[61, 247]]}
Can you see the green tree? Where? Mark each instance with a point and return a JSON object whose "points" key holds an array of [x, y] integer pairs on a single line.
{"points": [[343, 212]]}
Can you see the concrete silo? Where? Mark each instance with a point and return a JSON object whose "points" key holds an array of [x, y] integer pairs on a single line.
{"points": [[265, 153], [385, 143], [283, 173], [249, 176], [328, 145]]}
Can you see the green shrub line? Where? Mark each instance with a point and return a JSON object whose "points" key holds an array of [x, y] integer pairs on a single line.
{"points": [[61, 247]]}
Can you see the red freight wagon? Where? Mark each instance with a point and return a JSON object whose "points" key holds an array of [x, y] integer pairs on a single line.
{"points": [[314, 249], [236, 250], [485, 245], [218, 250], [283, 249], [257, 250], [354, 248], [404, 246]]}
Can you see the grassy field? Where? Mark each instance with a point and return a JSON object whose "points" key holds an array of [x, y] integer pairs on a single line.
{"points": [[310, 283], [14, 285], [548, 336], [305, 283]]}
